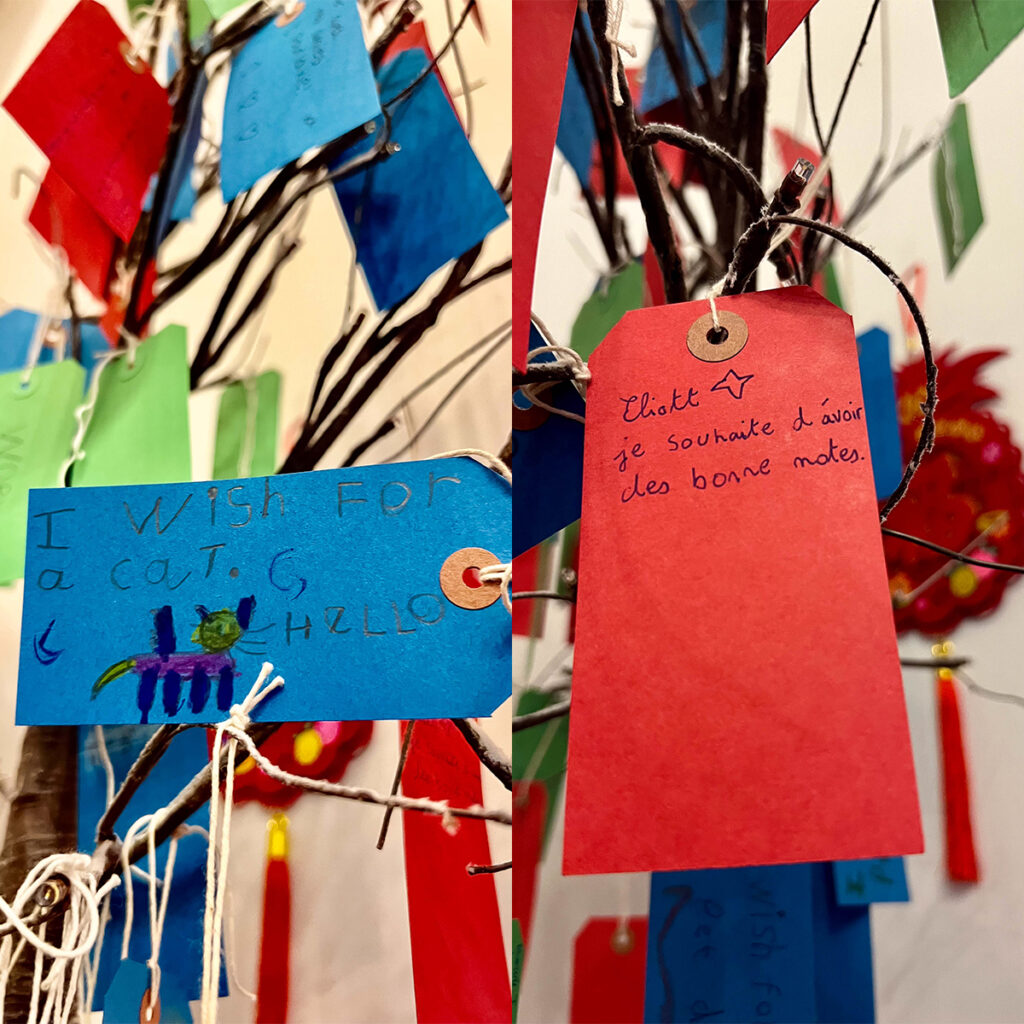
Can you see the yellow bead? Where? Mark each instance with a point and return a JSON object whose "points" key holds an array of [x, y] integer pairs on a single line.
{"points": [[308, 746], [962, 581]]}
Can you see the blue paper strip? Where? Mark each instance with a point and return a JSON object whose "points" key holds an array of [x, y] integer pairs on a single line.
{"points": [[882, 880], [844, 981], [708, 17], [164, 600], [733, 945], [880, 410], [181, 958], [295, 87], [547, 464], [576, 133], [128, 989], [425, 205]]}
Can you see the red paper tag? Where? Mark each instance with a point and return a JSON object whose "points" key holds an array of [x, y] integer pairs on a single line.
{"points": [[529, 810], [737, 696], [103, 125], [784, 17], [608, 972], [541, 34], [65, 220], [458, 954]]}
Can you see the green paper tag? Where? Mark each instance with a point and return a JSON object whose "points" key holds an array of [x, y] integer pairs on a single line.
{"points": [[138, 433], [956, 189], [37, 424], [832, 291], [605, 308], [973, 34], [246, 442], [517, 966], [540, 751]]}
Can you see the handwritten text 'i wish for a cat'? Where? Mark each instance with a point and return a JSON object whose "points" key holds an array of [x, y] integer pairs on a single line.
{"points": [[661, 451]]}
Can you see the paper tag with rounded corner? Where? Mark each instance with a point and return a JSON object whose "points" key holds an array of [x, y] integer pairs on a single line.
{"points": [[159, 603], [737, 696]]}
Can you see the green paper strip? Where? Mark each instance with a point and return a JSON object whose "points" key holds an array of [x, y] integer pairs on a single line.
{"points": [[246, 443], [550, 769], [973, 33], [517, 966], [832, 290], [606, 307], [956, 189], [37, 424], [138, 433]]}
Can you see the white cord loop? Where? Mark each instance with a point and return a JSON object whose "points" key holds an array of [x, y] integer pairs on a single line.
{"points": [[79, 930], [219, 849], [501, 573], [612, 32]]}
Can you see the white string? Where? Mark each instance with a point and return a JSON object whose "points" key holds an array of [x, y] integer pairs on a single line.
{"points": [[563, 357], [501, 573], [108, 766], [614, 27], [83, 414], [481, 456], [79, 932], [219, 848], [713, 293]]}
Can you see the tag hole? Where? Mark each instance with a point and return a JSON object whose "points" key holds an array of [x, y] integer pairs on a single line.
{"points": [[471, 577], [717, 335]]}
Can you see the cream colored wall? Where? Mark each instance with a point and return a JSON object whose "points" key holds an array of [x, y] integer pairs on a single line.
{"points": [[350, 958]]}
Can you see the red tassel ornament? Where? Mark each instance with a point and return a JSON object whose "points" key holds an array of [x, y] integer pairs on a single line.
{"points": [[272, 990], [961, 861]]}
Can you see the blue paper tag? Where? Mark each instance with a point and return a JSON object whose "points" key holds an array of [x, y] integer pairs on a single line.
{"points": [[426, 204], [576, 133], [181, 956], [731, 945], [708, 17], [547, 463], [295, 87], [159, 603], [128, 989], [882, 880], [17, 327], [879, 389], [843, 973]]}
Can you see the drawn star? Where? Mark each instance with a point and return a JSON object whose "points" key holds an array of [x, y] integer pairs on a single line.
{"points": [[734, 383]]}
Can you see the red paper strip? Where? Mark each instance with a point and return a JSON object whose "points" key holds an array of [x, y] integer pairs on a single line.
{"points": [[961, 861], [275, 942], [541, 34], [608, 979], [415, 38], [103, 125], [529, 810], [672, 158], [784, 17], [525, 569], [654, 283], [737, 695], [65, 220], [458, 954]]}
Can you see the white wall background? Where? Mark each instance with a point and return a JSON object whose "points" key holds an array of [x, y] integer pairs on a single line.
{"points": [[953, 953], [350, 953]]}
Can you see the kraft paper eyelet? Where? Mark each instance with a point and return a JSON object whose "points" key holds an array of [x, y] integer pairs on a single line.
{"points": [[286, 17], [454, 585], [529, 418], [146, 1014], [131, 58], [706, 350]]}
